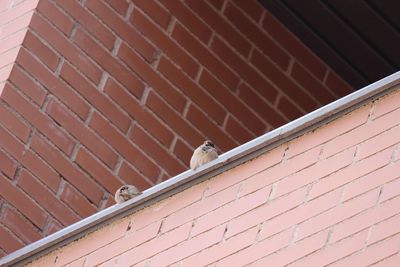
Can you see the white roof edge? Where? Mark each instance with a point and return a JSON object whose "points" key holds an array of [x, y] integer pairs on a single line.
{"points": [[224, 162]]}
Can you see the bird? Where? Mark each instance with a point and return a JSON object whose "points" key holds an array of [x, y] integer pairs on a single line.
{"points": [[126, 192], [203, 154]]}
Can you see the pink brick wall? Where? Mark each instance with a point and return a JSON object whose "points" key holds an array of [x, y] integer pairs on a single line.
{"points": [[98, 93], [331, 196]]}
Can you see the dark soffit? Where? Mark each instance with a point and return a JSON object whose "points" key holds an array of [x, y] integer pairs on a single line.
{"points": [[359, 39]]}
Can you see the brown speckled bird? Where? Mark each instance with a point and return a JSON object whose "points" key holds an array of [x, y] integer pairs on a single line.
{"points": [[126, 192], [203, 154]]}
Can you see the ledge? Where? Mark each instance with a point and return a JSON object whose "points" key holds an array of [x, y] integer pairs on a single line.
{"points": [[188, 178]]}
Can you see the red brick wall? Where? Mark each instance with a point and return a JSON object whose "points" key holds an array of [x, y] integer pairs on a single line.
{"points": [[331, 196], [103, 93]]}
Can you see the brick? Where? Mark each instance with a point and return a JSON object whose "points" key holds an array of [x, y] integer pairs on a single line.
{"points": [[137, 239], [200, 208], [350, 173], [189, 19], [124, 31], [292, 45], [153, 149], [164, 43], [254, 169], [183, 152], [216, 3], [9, 57], [53, 227], [39, 120], [132, 176], [335, 251], [373, 180], [205, 57], [218, 24], [63, 46], [40, 169], [189, 247], [19, 225], [16, 25], [379, 143], [69, 171], [170, 206], [97, 170], [46, 199], [7, 165], [287, 108], [211, 131], [40, 50], [386, 104], [22, 202], [313, 173], [9, 243], [336, 215], [170, 117], [260, 106], [12, 41], [231, 102], [281, 81], [265, 212], [99, 239], [58, 18], [258, 37], [95, 97], [311, 84], [27, 85], [132, 106], [191, 90], [300, 214], [269, 174], [11, 144], [252, 8], [233, 210], [329, 131], [124, 147], [361, 133], [107, 61], [153, 9], [4, 74], [390, 190], [391, 261], [258, 250], [16, 11], [244, 69], [373, 253], [120, 6], [85, 136], [239, 132], [89, 22], [175, 98], [77, 201], [337, 84], [365, 220], [295, 251], [384, 229], [221, 250], [13, 122], [154, 246], [53, 84]]}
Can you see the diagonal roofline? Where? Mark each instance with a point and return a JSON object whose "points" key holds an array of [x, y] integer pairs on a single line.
{"points": [[188, 178]]}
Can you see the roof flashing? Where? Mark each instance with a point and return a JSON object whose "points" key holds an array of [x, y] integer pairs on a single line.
{"points": [[224, 162]]}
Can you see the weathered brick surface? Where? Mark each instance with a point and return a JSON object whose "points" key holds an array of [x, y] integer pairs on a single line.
{"points": [[97, 93], [305, 210]]}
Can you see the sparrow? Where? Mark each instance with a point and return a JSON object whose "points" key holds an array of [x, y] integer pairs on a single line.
{"points": [[126, 192], [203, 154]]}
